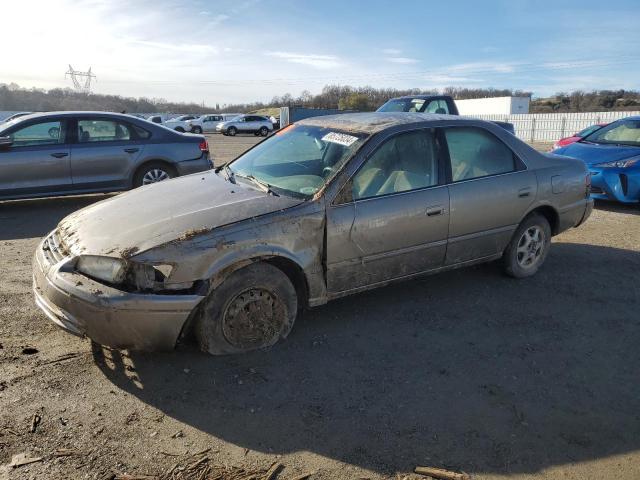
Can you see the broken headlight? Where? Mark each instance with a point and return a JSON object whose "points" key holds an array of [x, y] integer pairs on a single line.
{"points": [[131, 275], [108, 269]]}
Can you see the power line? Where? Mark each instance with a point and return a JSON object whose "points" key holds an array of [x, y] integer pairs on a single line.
{"points": [[81, 80]]}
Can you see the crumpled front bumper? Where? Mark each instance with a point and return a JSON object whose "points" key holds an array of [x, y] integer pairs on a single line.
{"points": [[621, 185], [108, 316]]}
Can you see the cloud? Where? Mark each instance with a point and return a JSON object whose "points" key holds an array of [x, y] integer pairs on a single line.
{"points": [[403, 60], [391, 51], [179, 47], [218, 19], [316, 61], [485, 67]]}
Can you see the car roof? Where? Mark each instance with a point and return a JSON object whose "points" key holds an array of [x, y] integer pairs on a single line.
{"points": [[422, 97], [75, 113], [373, 122]]}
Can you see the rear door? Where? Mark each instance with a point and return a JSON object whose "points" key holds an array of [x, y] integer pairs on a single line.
{"points": [[105, 152], [38, 160], [490, 189], [393, 220]]}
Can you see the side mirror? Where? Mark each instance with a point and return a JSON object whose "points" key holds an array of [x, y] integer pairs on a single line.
{"points": [[5, 142]]}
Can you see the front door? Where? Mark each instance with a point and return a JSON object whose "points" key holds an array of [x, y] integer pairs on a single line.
{"points": [[37, 162], [491, 191], [397, 219]]}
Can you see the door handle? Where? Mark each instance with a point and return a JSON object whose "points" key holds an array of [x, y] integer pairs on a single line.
{"points": [[59, 155], [131, 150], [433, 211], [524, 192]]}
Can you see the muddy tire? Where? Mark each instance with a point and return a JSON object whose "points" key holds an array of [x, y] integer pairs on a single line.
{"points": [[528, 248], [252, 309]]}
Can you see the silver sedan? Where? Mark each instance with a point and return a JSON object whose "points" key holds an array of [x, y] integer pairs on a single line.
{"points": [[62, 153], [329, 207]]}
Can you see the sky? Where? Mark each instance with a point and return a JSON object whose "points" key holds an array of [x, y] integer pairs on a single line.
{"points": [[251, 50]]}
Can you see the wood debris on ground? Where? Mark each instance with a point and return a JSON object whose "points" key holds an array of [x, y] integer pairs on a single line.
{"points": [[203, 469], [441, 474]]}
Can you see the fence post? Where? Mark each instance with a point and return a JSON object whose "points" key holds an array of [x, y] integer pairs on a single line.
{"points": [[533, 129], [564, 122]]}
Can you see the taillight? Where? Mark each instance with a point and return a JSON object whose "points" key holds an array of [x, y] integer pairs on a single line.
{"points": [[587, 182], [204, 146]]}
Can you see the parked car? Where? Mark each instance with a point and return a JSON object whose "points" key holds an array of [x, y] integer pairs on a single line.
{"points": [[62, 153], [205, 123], [179, 124], [255, 124], [10, 118], [612, 154], [440, 104], [328, 207], [563, 142]]}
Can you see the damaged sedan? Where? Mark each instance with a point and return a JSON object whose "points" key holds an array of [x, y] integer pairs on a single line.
{"points": [[324, 208]]}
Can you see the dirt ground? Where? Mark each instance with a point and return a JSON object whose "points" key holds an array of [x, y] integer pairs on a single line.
{"points": [[467, 370]]}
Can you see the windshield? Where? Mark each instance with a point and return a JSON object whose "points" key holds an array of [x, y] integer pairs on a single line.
{"points": [[588, 131], [298, 160], [623, 132], [403, 105]]}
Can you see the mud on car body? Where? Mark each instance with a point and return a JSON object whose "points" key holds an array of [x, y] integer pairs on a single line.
{"points": [[325, 208]]}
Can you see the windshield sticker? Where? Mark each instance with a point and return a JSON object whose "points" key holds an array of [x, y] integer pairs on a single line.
{"points": [[340, 138]]}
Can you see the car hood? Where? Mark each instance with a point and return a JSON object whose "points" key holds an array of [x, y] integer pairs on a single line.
{"points": [[177, 209], [591, 153]]}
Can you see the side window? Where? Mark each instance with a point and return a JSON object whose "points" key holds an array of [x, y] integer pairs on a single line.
{"points": [[102, 131], [405, 162], [476, 153], [45, 133], [437, 106]]}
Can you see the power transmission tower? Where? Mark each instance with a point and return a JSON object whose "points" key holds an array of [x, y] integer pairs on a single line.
{"points": [[81, 80]]}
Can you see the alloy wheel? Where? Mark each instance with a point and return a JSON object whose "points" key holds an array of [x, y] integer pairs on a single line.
{"points": [[155, 175], [530, 247]]}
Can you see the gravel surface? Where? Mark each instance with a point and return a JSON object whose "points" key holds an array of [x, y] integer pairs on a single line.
{"points": [[467, 370]]}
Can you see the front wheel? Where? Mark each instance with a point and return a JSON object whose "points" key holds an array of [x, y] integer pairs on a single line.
{"points": [[264, 131], [528, 248], [252, 309], [179, 129], [196, 130]]}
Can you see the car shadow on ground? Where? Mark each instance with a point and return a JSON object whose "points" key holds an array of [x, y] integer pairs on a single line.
{"points": [[624, 208], [467, 369], [37, 217]]}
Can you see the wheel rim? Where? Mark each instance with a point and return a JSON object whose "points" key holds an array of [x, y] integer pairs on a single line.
{"points": [[232, 131], [264, 131], [530, 247], [155, 175], [253, 319]]}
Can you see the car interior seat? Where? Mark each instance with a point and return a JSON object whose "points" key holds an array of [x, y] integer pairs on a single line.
{"points": [[413, 166], [83, 136]]}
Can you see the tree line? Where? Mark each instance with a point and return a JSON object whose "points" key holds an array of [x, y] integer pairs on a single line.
{"points": [[343, 97]]}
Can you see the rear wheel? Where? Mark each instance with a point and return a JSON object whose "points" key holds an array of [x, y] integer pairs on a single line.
{"points": [[232, 131], [152, 173], [528, 248], [252, 309]]}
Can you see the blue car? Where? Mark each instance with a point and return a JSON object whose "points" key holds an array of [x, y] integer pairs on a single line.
{"points": [[612, 154]]}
